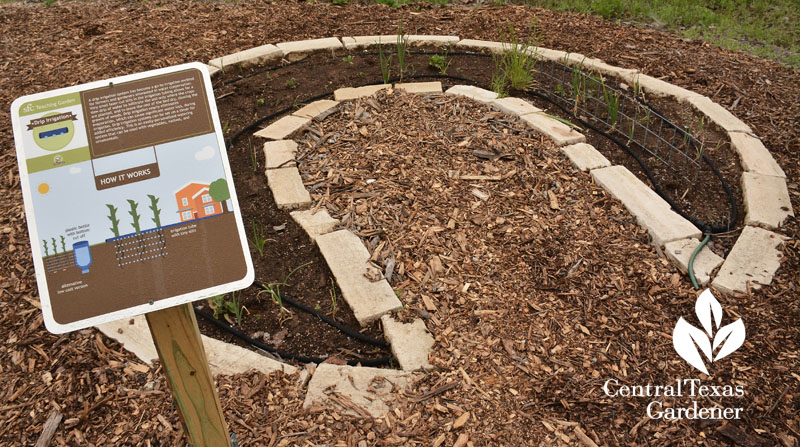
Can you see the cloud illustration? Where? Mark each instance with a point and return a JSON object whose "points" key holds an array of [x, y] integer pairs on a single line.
{"points": [[74, 170], [206, 153]]}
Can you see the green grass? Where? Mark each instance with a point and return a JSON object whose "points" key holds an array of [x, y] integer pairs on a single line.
{"points": [[766, 28]]}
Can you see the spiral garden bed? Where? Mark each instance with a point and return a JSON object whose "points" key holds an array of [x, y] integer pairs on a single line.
{"points": [[553, 243]]}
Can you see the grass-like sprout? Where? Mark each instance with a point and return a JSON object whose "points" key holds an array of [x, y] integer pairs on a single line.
{"points": [[259, 239], [402, 50], [385, 63], [273, 289], [612, 104]]}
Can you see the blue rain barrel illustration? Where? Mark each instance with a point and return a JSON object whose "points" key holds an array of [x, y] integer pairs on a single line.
{"points": [[83, 257]]}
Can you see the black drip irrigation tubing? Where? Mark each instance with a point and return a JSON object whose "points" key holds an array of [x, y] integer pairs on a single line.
{"points": [[703, 226], [380, 361], [354, 334]]}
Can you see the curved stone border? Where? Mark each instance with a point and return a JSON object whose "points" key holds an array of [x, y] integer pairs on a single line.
{"points": [[766, 196], [752, 262]]}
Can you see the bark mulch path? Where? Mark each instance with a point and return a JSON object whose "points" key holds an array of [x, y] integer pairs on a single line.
{"points": [[497, 385]]}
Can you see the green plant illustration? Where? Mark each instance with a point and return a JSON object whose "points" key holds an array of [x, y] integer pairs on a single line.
{"points": [[112, 216], [156, 211], [63, 244], [46, 251], [218, 190], [135, 216], [55, 247]]}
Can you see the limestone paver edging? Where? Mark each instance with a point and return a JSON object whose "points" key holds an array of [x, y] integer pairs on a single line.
{"points": [[752, 262]]}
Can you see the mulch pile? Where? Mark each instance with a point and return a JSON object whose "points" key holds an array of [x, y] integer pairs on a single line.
{"points": [[564, 291]]}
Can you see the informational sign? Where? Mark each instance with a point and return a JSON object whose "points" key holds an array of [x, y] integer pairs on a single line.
{"points": [[129, 197]]}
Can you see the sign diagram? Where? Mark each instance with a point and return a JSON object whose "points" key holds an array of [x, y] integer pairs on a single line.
{"points": [[129, 197]]}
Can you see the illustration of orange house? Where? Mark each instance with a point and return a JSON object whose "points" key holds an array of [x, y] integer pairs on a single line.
{"points": [[194, 202]]}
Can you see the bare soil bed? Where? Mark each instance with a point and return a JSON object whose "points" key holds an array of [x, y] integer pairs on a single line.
{"points": [[550, 313]]}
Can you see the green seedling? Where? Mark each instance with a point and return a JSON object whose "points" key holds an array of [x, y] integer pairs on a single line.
{"points": [[385, 63], [260, 101], [439, 62], [518, 61], [259, 239], [498, 84], [612, 104], [348, 59], [226, 127], [253, 155], [564, 121], [402, 49], [231, 310], [578, 86], [274, 289], [334, 304], [291, 83]]}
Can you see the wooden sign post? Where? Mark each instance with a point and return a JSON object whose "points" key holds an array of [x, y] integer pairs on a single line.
{"points": [[183, 358], [131, 210]]}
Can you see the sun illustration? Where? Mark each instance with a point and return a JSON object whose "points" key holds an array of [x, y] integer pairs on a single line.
{"points": [[44, 188]]}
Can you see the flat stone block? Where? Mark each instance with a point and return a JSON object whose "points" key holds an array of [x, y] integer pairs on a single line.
{"points": [[305, 46], [755, 258], [493, 47], [585, 157], [315, 224], [706, 261], [766, 199], [419, 40], [251, 56], [718, 114], [287, 188], [657, 87], [514, 106], [411, 343], [366, 41], [650, 210], [350, 93], [282, 128], [223, 358], [549, 54], [280, 154], [420, 87], [348, 260], [316, 108], [472, 92], [559, 132], [754, 156], [368, 388]]}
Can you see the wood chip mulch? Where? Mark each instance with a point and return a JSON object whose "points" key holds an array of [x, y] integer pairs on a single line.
{"points": [[553, 309]]}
